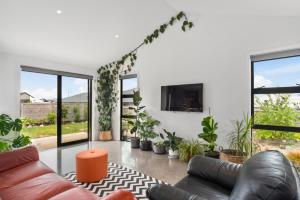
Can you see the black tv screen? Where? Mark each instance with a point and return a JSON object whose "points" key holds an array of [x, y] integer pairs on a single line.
{"points": [[188, 98]]}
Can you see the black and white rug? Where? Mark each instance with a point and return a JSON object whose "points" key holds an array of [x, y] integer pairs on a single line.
{"points": [[119, 177]]}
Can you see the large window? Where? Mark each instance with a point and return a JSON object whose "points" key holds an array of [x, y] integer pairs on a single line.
{"points": [[275, 105], [129, 83], [55, 107]]}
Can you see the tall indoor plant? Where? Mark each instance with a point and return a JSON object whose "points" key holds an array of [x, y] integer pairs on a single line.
{"points": [[106, 101], [10, 126], [210, 136], [240, 141], [147, 131], [136, 123]]}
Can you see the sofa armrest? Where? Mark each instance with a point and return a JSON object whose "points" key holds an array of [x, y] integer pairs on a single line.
{"points": [[215, 170], [17, 157], [167, 192]]}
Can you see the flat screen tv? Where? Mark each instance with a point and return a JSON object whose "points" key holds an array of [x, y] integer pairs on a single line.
{"points": [[188, 98]]}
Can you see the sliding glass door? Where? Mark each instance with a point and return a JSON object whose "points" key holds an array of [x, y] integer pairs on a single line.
{"points": [[55, 107], [75, 109]]}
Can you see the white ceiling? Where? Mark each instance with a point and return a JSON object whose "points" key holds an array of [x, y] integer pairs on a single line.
{"points": [[83, 35]]}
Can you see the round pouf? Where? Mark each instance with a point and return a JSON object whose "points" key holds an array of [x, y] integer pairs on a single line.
{"points": [[91, 165]]}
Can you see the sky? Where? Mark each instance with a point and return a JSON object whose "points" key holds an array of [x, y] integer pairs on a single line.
{"points": [[45, 86], [277, 73]]}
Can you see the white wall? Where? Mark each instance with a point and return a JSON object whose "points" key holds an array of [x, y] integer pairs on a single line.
{"points": [[216, 52], [10, 81]]}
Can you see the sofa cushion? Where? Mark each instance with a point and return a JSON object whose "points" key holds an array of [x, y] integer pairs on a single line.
{"points": [[266, 176], [203, 188], [75, 193], [17, 157], [214, 170], [38, 188], [22, 173]]}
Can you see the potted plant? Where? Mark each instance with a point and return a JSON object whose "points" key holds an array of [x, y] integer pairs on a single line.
{"points": [[146, 131], [106, 102], [159, 147], [8, 125], [240, 142], [172, 142], [136, 123], [188, 149], [210, 136]]}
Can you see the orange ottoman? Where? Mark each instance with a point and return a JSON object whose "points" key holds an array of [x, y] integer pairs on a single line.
{"points": [[91, 165]]}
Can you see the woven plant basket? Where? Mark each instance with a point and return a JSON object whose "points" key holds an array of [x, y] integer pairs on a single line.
{"points": [[232, 156]]}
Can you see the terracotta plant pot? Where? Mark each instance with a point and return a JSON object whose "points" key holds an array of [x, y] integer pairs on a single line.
{"points": [[135, 142], [105, 135]]}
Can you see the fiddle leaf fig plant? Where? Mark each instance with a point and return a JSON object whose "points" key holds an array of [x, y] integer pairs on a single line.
{"points": [[137, 123], [209, 132], [8, 125]]}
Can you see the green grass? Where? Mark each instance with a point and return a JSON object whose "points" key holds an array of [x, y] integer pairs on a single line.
{"points": [[50, 130]]}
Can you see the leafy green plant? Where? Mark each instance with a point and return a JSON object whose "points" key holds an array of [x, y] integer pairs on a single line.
{"points": [[27, 121], [147, 124], [138, 110], [64, 112], [7, 125], [51, 117], [21, 141], [188, 149], [4, 146], [76, 112], [240, 137], [276, 110], [108, 74], [209, 132], [171, 141], [159, 143]]}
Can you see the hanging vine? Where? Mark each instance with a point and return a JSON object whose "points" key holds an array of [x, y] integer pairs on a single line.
{"points": [[108, 74]]}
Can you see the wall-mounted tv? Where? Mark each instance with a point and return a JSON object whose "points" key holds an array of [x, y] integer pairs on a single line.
{"points": [[187, 98]]}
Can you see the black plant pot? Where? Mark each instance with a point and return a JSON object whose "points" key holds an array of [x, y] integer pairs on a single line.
{"points": [[146, 145], [135, 142], [212, 154]]}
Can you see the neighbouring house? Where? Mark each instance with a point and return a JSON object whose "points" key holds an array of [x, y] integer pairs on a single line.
{"points": [[78, 98], [26, 97]]}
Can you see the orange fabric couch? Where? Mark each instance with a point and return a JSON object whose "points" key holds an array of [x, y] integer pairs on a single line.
{"points": [[23, 176]]}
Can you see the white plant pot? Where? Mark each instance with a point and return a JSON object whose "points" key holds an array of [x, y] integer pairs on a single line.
{"points": [[173, 154]]}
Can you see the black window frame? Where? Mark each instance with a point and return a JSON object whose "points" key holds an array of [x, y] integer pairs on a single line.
{"points": [[272, 90], [59, 75], [122, 78]]}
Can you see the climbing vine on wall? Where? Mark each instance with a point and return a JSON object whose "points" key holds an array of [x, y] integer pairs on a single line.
{"points": [[109, 74]]}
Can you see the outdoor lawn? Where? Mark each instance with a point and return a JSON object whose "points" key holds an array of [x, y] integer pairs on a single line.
{"points": [[50, 130]]}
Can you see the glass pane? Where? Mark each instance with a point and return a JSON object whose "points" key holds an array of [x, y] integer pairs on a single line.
{"points": [[282, 72], [127, 102], [277, 109], [129, 85], [286, 142], [126, 127], [38, 108], [74, 109]]}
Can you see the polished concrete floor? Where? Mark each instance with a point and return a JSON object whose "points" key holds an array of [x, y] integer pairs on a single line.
{"points": [[62, 160]]}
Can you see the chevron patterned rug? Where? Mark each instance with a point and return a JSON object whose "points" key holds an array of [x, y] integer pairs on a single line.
{"points": [[119, 177]]}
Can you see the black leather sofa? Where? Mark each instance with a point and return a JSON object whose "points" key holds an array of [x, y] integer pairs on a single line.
{"points": [[265, 176]]}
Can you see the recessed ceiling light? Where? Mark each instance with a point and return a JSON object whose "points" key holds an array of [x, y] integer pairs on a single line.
{"points": [[58, 12], [117, 36]]}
